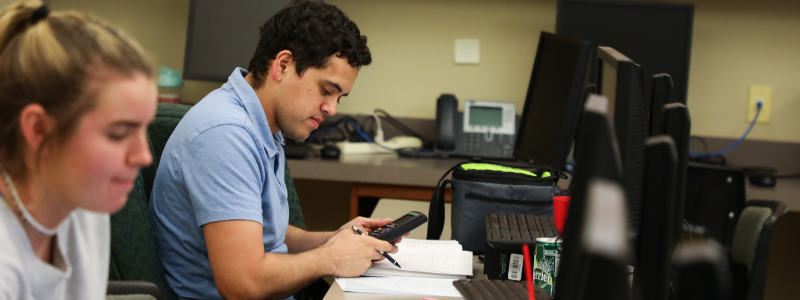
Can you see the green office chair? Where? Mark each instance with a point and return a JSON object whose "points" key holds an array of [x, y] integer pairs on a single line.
{"points": [[133, 290], [134, 256], [751, 246]]}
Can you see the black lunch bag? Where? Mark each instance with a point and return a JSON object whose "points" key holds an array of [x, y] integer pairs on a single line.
{"points": [[479, 189]]}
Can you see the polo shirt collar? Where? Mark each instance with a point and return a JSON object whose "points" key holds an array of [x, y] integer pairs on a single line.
{"points": [[255, 111]]}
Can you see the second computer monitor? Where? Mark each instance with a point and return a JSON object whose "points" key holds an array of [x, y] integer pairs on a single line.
{"points": [[548, 121], [620, 80]]}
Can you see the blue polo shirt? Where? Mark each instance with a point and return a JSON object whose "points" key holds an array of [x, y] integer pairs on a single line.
{"points": [[221, 163]]}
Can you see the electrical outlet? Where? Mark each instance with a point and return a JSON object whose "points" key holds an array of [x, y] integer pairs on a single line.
{"points": [[765, 94], [468, 51]]}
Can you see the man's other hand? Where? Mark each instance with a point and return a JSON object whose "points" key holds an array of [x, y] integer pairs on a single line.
{"points": [[351, 254]]}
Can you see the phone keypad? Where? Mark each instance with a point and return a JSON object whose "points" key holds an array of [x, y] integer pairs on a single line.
{"points": [[382, 230], [473, 143]]}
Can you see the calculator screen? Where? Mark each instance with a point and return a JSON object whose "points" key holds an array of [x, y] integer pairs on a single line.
{"points": [[402, 220]]}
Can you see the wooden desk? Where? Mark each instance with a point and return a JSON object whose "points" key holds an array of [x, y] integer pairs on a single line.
{"points": [[786, 191], [377, 175]]}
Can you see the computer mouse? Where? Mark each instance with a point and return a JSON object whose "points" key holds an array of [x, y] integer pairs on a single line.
{"points": [[761, 176], [330, 151], [766, 180]]}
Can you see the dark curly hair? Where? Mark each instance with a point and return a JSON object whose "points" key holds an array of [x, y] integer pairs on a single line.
{"points": [[313, 32]]}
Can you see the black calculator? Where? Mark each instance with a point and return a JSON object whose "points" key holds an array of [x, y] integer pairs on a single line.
{"points": [[399, 226]]}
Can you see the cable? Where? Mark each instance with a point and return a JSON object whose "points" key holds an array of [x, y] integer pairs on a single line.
{"points": [[689, 227], [378, 130], [368, 126], [402, 127], [702, 140], [366, 137], [736, 143], [327, 129]]}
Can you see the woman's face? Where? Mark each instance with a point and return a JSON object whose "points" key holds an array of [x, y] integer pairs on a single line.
{"points": [[96, 166]]}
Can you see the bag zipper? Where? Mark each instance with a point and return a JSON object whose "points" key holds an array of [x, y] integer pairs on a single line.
{"points": [[499, 177], [522, 202]]}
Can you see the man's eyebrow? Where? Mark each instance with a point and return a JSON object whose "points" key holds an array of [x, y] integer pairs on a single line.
{"points": [[334, 85], [126, 124]]}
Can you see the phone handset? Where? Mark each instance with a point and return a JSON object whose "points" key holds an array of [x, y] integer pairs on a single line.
{"points": [[446, 110]]}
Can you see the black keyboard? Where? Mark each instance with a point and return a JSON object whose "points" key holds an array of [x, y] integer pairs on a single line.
{"points": [[480, 289], [519, 227]]}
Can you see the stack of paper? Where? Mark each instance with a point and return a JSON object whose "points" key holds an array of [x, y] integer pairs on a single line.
{"points": [[429, 265], [426, 258], [400, 286]]}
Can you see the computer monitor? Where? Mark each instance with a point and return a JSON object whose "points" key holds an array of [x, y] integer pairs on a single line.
{"points": [[594, 216], [654, 243], [223, 35], [662, 89], [603, 252], [678, 125], [548, 121], [656, 35], [620, 80]]}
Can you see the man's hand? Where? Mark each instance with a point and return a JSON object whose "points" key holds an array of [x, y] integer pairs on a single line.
{"points": [[351, 254], [366, 225]]}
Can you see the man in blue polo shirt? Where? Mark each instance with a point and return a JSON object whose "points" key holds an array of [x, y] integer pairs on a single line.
{"points": [[219, 203]]}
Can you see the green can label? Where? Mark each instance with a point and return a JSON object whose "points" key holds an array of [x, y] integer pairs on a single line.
{"points": [[547, 260]]}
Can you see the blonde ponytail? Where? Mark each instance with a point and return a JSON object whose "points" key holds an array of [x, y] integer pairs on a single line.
{"points": [[50, 63]]}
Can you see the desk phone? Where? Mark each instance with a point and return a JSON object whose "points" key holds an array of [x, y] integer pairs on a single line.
{"points": [[485, 129]]}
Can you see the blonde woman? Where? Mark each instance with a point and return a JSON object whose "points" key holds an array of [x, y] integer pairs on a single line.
{"points": [[76, 96]]}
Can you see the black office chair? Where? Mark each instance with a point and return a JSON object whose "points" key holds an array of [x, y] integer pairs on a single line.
{"points": [[751, 246]]}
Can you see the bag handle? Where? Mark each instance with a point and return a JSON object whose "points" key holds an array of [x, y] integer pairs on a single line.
{"points": [[436, 209], [436, 212]]}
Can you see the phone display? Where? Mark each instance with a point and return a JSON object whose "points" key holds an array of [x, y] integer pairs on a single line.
{"points": [[399, 226]]}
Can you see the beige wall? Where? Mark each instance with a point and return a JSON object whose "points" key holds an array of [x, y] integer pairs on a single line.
{"points": [[159, 25], [736, 44]]}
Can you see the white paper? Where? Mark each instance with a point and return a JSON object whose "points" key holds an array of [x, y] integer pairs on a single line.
{"points": [[429, 244], [383, 272], [432, 261], [400, 285]]}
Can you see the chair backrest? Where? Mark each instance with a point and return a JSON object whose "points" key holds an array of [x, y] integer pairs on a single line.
{"points": [[133, 290], [751, 245], [134, 254]]}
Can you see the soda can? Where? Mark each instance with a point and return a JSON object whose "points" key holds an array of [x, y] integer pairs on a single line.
{"points": [[548, 258]]}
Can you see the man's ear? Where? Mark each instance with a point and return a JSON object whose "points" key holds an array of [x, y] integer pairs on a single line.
{"points": [[35, 125], [281, 65]]}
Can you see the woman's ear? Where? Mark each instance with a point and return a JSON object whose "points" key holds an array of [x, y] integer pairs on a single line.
{"points": [[35, 125], [280, 65]]}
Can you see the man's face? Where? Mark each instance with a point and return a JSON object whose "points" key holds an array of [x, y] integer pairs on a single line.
{"points": [[307, 99]]}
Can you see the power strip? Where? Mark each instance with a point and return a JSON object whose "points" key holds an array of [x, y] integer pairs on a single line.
{"points": [[399, 142], [361, 148]]}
